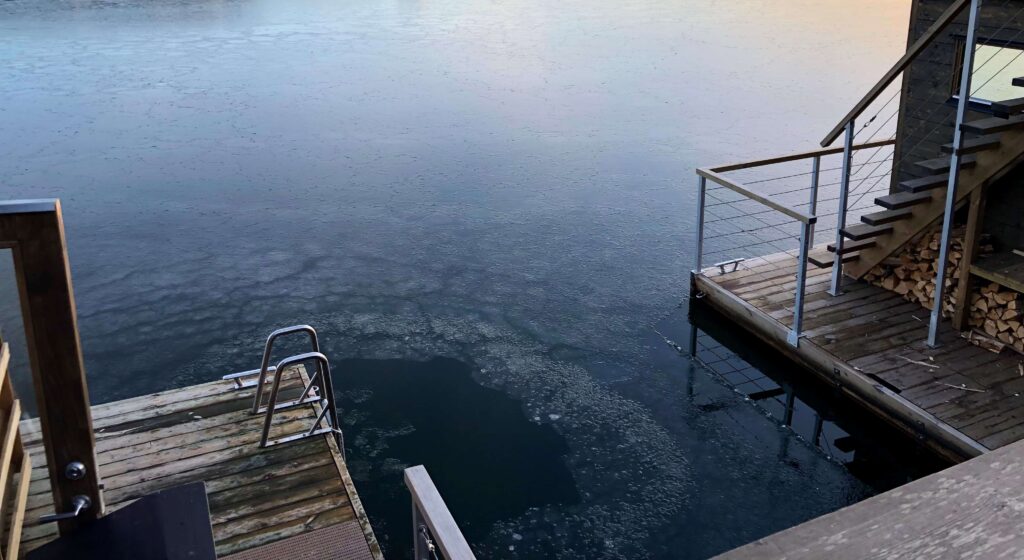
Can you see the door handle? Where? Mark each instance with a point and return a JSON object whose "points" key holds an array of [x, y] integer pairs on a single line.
{"points": [[80, 502]]}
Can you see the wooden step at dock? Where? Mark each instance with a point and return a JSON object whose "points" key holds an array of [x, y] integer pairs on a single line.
{"points": [[925, 183], [992, 125], [822, 258], [1008, 108], [942, 164], [852, 246], [859, 232], [903, 200], [886, 216], [975, 145]]}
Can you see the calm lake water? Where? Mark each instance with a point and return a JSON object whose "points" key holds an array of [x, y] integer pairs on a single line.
{"points": [[486, 208]]}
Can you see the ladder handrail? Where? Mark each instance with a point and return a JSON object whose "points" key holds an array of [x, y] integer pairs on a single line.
{"points": [[912, 53], [330, 411], [265, 365]]}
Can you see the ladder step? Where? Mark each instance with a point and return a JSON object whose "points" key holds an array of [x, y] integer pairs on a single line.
{"points": [[823, 259], [903, 200], [1006, 109], [886, 216], [852, 246], [859, 232], [942, 164], [925, 183], [974, 145], [992, 125]]}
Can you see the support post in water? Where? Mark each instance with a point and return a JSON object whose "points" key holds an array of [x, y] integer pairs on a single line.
{"points": [[700, 224], [801, 281], [844, 190], [954, 172]]}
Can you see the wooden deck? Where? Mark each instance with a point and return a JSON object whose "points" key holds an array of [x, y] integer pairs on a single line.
{"points": [[970, 510], [959, 399], [205, 432]]}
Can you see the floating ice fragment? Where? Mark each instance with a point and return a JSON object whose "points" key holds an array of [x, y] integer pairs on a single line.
{"points": [[517, 537], [554, 416]]}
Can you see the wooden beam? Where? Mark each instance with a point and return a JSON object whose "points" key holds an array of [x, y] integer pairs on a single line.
{"points": [[799, 156], [34, 230], [912, 53], [18, 512], [971, 237]]}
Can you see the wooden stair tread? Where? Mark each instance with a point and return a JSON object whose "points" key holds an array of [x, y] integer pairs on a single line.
{"points": [[865, 231], [992, 125], [1009, 107], [903, 200], [852, 246], [942, 164], [1019, 82], [974, 145], [886, 216], [822, 258], [925, 183]]}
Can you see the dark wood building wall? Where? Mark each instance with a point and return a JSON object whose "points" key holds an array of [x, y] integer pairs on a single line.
{"points": [[926, 122]]}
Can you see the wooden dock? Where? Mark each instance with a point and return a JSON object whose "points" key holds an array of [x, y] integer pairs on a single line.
{"points": [[295, 494], [971, 510], [958, 399]]}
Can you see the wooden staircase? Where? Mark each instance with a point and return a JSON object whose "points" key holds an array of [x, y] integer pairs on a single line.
{"points": [[995, 145]]}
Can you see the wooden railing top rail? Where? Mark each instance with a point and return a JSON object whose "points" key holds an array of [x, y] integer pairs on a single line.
{"points": [[427, 500], [912, 53], [797, 156], [715, 174]]}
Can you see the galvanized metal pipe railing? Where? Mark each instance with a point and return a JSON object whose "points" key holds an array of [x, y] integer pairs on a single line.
{"points": [[433, 528], [954, 171], [807, 220]]}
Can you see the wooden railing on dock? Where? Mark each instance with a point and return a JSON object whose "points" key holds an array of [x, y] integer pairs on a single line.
{"points": [[15, 464], [34, 232]]}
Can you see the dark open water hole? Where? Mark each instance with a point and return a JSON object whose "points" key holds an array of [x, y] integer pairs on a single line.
{"points": [[497, 197], [402, 413]]}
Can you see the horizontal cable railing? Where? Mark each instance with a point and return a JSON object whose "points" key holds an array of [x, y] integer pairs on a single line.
{"points": [[772, 206]]}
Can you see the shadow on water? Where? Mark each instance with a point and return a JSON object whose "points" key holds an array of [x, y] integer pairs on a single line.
{"points": [[872, 450], [488, 460]]}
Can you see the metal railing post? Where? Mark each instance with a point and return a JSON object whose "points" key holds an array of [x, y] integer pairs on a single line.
{"points": [[844, 190], [812, 208], [419, 547], [801, 282], [954, 172], [700, 225]]}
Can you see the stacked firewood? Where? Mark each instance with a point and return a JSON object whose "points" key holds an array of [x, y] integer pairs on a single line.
{"points": [[912, 273], [994, 318], [996, 311]]}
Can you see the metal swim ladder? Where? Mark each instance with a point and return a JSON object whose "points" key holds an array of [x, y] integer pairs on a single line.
{"points": [[318, 390]]}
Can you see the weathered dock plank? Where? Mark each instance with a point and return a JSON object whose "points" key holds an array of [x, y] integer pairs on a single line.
{"points": [[969, 511], [206, 432]]}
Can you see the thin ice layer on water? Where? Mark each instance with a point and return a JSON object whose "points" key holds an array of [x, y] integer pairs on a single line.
{"points": [[631, 476]]}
